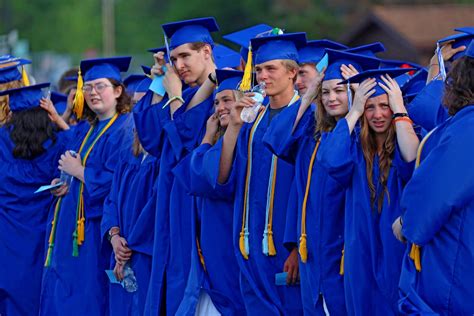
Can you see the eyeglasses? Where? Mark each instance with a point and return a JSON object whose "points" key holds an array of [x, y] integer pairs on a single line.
{"points": [[100, 87]]}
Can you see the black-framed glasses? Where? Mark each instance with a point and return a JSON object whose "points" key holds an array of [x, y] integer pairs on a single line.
{"points": [[99, 87]]}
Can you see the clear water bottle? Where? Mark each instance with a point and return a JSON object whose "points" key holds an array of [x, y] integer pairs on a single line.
{"points": [[129, 280], [66, 178], [248, 115]]}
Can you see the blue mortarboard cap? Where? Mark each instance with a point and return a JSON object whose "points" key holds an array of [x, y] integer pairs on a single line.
{"points": [[415, 84], [24, 98], [465, 29], [228, 79], [71, 78], [132, 82], [60, 101], [460, 39], [388, 63], [243, 37], [146, 70], [338, 58], [9, 68], [111, 68], [225, 57], [284, 46], [377, 75], [314, 51], [368, 50], [470, 50], [143, 85], [190, 31]]}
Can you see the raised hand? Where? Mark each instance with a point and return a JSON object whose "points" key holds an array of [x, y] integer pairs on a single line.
{"points": [[363, 92], [314, 87], [348, 71], [395, 98]]}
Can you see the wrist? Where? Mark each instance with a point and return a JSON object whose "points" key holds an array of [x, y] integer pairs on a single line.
{"points": [[114, 231]]}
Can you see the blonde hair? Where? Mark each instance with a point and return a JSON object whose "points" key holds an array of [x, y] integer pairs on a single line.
{"points": [[291, 65], [4, 107]]}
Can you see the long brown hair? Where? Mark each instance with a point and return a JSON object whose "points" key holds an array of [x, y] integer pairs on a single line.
{"points": [[459, 86], [369, 149]]}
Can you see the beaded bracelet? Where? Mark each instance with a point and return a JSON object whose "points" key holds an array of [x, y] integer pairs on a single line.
{"points": [[403, 118]]}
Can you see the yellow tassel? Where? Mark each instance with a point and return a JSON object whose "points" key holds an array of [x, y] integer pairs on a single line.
{"points": [[80, 231], [303, 250], [201, 257], [79, 97], [242, 246], [24, 77], [246, 83], [341, 269], [51, 234], [271, 244], [48, 256], [416, 257]]}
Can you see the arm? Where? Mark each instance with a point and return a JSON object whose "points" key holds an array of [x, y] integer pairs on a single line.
{"points": [[406, 137], [205, 90], [53, 115], [447, 52]]}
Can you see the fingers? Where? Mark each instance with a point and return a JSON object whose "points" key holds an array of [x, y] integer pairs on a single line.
{"points": [[159, 58]]}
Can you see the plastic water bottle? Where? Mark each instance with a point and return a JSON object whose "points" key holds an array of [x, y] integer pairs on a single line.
{"points": [[66, 178], [129, 280], [249, 115]]}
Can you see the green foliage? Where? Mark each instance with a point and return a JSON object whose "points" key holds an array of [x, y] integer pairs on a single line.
{"points": [[75, 26]]}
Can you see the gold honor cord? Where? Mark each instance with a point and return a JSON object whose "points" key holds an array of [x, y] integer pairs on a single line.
{"points": [[303, 249]]}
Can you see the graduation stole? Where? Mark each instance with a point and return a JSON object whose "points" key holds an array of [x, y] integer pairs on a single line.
{"points": [[79, 232], [415, 249], [303, 249], [268, 246]]}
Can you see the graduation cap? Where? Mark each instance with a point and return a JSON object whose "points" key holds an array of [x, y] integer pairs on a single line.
{"points": [[377, 75], [9, 69], [146, 70], [390, 63], [414, 85], [228, 79], [60, 101], [132, 82], [110, 68], [368, 49], [283, 46], [24, 98], [338, 58], [470, 50], [92, 69], [315, 50], [71, 78], [190, 31], [243, 37], [225, 57]]}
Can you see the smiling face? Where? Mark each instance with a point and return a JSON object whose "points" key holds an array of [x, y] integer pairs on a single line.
{"points": [[378, 114], [306, 74], [102, 98], [277, 77], [191, 64], [223, 103], [334, 98]]}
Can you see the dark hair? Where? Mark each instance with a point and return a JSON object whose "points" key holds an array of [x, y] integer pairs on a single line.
{"points": [[29, 129], [459, 86], [124, 102]]}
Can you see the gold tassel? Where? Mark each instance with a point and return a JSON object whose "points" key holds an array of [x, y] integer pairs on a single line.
{"points": [[242, 246], [79, 97], [341, 269], [416, 257], [303, 250], [271, 244], [246, 83], [80, 231], [24, 77], [201, 257]]}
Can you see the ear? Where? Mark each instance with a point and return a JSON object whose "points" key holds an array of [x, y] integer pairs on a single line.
{"points": [[207, 51], [118, 91], [293, 72]]}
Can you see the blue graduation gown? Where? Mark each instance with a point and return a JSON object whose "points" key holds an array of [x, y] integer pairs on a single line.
{"points": [[324, 213], [78, 285], [372, 255], [426, 109], [438, 215], [171, 140], [131, 206], [257, 277], [212, 225], [23, 217]]}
